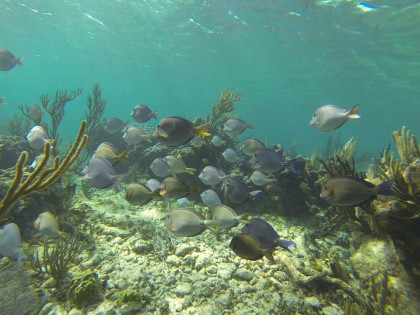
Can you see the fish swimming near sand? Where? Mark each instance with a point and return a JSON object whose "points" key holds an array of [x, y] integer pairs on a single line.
{"points": [[185, 222], [247, 247]]}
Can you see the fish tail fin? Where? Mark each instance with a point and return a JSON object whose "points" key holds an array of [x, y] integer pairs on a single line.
{"points": [[123, 156], [249, 126], [200, 130], [156, 194], [19, 60], [285, 244], [291, 166], [352, 113], [191, 170], [384, 188], [153, 115]]}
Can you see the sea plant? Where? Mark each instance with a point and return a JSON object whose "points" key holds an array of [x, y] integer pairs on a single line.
{"points": [[40, 178], [55, 259], [18, 126], [222, 109]]}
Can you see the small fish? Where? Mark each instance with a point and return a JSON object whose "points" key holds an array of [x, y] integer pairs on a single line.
{"points": [[35, 113], [138, 194], [349, 191], [142, 113], [174, 188], [265, 234], [224, 217], [217, 141], [178, 166], [101, 174], [10, 242], [237, 192], [114, 125], [133, 135], [47, 224], [174, 131], [269, 161], [236, 126], [230, 155], [3, 100], [185, 222], [197, 142], [210, 198], [247, 247], [160, 168], [331, 117], [184, 202], [212, 176], [251, 145], [38, 160], [153, 184], [8, 60], [110, 152], [260, 179], [37, 137]]}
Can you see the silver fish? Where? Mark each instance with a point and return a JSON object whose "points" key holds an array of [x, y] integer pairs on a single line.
{"points": [[212, 176], [160, 168], [224, 217], [217, 141], [10, 242], [35, 112], [101, 174], [37, 137], [230, 155], [236, 126], [331, 117], [47, 224], [133, 135], [210, 198], [260, 179]]}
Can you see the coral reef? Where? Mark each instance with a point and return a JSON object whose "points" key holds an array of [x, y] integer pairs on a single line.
{"points": [[40, 178]]}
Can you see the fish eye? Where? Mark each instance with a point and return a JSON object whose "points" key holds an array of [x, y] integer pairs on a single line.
{"points": [[314, 115]]}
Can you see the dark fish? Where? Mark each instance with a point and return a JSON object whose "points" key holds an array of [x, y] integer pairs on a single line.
{"points": [[247, 247], [160, 168], [35, 113], [8, 60], [142, 113], [264, 233], [138, 194], [114, 125], [349, 191], [269, 161], [174, 131], [185, 222], [101, 174], [237, 192]]}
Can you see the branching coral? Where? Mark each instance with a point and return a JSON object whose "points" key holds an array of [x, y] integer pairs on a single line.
{"points": [[96, 107], [338, 166], [222, 109], [18, 126], [56, 109], [40, 178]]}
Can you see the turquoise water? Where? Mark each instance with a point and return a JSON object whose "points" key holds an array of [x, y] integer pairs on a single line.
{"points": [[287, 57]]}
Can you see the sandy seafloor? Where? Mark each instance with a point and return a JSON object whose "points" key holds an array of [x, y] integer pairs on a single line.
{"points": [[200, 275]]}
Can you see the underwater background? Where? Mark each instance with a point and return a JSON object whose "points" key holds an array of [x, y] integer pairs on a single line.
{"points": [[287, 57], [94, 220]]}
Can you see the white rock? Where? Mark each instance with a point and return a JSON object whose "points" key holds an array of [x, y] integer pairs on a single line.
{"points": [[183, 249]]}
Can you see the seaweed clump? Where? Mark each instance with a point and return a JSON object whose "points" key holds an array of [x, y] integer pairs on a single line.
{"points": [[85, 289], [55, 260], [222, 109]]}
